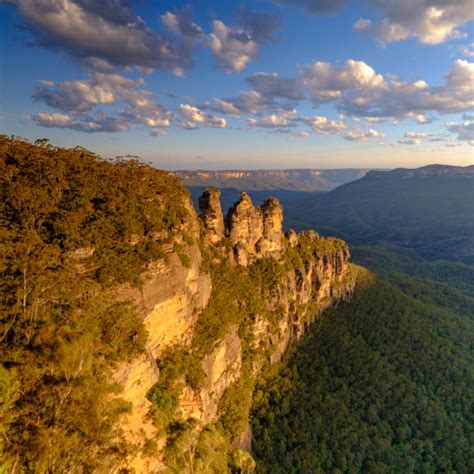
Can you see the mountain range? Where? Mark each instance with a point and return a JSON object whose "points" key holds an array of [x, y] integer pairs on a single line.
{"points": [[257, 180]]}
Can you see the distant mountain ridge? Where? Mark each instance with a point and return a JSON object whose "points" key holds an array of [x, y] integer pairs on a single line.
{"points": [[309, 180], [428, 209], [425, 171]]}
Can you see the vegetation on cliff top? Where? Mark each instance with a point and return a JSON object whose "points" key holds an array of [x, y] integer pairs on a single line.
{"points": [[73, 227]]}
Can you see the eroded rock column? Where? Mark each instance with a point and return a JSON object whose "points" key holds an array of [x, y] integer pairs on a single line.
{"points": [[211, 214]]}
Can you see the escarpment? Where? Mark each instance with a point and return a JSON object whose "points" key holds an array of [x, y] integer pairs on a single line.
{"points": [[214, 320], [136, 325]]}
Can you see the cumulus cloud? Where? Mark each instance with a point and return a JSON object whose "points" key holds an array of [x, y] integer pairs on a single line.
{"points": [[321, 124], [99, 123], [326, 82], [147, 112], [78, 98], [235, 47], [246, 102], [430, 21], [409, 141], [270, 92], [358, 90], [464, 130], [232, 48], [181, 23], [316, 7], [422, 119], [363, 136], [193, 117], [82, 95], [362, 25], [107, 31], [281, 119]]}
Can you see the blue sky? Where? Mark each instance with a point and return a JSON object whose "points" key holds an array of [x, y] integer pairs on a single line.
{"points": [[227, 84]]}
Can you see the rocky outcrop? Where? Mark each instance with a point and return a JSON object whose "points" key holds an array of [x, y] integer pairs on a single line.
{"points": [[312, 274], [254, 231], [271, 242], [211, 214]]}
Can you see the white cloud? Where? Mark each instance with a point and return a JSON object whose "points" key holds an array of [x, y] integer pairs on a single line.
{"points": [[416, 135], [105, 32], [52, 120], [235, 47], [281, 119], [79, 97], [82, 95], [247, 102], [362, 25], [364, 136], [194, 117], [326, 82], [272, 85], [396, 98], [409, 141], [422, 119], [99, 123], [430, 21], [322, 124]]}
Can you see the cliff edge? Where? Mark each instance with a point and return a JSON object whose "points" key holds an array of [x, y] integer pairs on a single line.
{"points": [[133, 328], [247, 292]]}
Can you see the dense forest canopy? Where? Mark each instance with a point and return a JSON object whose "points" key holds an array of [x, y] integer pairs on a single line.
{"points": [[383, 384]]}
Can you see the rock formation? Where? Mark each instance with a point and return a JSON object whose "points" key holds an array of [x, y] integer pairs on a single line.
{"points": [[211, 214], [254, 232], [174, 296]]}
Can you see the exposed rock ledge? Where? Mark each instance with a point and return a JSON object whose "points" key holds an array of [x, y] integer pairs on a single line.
{"points": [[173, 296]]}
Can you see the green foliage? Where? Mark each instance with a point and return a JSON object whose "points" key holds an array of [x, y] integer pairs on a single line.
{"points": [[383, 384], [388, 259], [72, 228], [242, 461], [178, 367], [211, 453], [237, 294], [234, 406]]}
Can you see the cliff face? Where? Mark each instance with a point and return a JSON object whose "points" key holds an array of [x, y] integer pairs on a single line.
{"points": [[215, 318], [137, 326]]}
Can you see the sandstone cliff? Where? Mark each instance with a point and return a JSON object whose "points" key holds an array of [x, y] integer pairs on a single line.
{"points": [[215, 318], [134, 329]]}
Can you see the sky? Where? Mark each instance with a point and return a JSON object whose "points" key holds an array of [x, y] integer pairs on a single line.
{"points": [[243, 85]]}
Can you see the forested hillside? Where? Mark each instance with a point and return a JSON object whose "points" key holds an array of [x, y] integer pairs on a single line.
{"points": [[383, 384], [73, 227]]}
